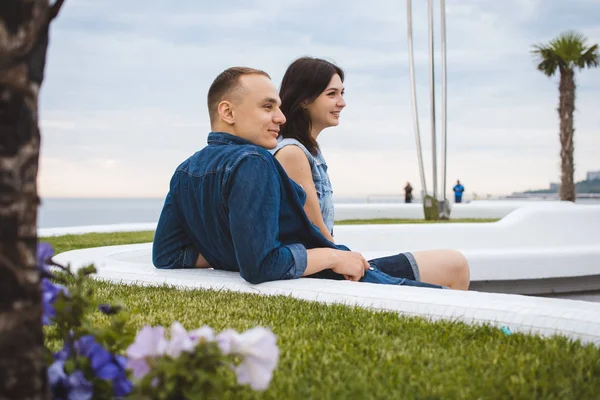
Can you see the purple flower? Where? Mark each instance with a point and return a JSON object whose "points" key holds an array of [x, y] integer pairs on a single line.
{"points": [[225, 338], [104, 364], [121, 385], [87, 347], [258, 348], [50, 292], [180, 341], [205, 333], [68, 387], [149, 342], [108, 309], [44, 254], [81, 389], [63, 354], [56, 374]]}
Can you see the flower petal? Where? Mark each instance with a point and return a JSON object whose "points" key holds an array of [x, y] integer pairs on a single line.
{"points": [[149, 341], [180, 341], [257, 375], [108, 371], [227, 340], [122, 386], [81, 389], [138, 366], [258, 347], [206, 332], [56, 373], [44, 254]]}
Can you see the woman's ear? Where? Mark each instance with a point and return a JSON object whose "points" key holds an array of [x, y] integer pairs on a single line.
{"points": [[225, 110]]}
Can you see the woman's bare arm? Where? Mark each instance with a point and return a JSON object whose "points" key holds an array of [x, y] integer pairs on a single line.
{"points": [[296, 165]]}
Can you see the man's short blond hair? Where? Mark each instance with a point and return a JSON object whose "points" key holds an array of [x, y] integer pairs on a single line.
{"points": [[226, 85]]}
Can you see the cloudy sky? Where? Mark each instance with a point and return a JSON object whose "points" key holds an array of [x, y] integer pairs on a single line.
{"points": [[124, 100]]}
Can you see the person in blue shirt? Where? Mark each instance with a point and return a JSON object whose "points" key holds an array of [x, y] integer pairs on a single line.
{"points": [[458, 192], [231, 205]]}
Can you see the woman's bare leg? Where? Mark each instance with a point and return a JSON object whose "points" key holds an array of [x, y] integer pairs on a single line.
{"points": [[444, 267]]}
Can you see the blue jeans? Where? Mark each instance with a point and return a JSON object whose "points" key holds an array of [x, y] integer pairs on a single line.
{"points": [[399, 269]]}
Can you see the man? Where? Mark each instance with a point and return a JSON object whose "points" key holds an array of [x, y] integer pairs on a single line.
{"points": [[231, 205], [408, 193], [458, 192]]}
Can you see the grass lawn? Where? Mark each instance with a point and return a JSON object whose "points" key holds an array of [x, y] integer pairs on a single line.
{"points": [[339, 352], [410, 221]]}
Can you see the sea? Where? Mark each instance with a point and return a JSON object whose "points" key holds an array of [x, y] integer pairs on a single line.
{"points": [[69, 212]]}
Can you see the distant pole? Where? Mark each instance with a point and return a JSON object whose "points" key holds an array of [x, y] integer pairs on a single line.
{"points": [[415, 113], [432, 99], [444, 96]]}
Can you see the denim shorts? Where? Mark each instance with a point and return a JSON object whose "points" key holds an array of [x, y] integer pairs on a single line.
{"points": [[401, 265], [400, 269]]}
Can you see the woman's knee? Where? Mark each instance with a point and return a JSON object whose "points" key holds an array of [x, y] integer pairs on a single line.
{"points": [[460, 268], [444, 267]]}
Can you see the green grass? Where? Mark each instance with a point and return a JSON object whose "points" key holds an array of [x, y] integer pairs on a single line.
{"points": [[73, 242], [338, 352], [410, 221]]}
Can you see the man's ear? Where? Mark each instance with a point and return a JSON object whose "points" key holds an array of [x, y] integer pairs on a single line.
{"points": [[225, 110]]}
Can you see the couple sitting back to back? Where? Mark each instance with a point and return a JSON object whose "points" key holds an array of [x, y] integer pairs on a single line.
{"points": [[258, 200]]}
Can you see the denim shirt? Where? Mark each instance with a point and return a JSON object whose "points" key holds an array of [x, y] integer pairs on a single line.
{"points": [[318, 168], [233, 203]]}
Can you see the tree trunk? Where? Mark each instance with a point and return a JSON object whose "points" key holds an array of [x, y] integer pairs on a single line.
{"points": [[565, 112], [23, 42]]}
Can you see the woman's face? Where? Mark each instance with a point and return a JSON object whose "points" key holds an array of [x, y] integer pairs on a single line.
{"points": [[325, 110]]}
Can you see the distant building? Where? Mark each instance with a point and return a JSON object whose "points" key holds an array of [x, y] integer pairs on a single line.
{"points": [[593, 175], [555, 187]]}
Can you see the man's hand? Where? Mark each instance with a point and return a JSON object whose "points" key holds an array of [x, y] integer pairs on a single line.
{"points": [[350, 264]]}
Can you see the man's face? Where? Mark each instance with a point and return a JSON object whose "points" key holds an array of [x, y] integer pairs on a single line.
{"points": [[257, 116]]}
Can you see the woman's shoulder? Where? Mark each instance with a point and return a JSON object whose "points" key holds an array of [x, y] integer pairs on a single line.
{"points": [[291, 145], [294, 156]]}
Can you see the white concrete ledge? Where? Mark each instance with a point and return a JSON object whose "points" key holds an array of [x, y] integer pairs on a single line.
{"points": [[575, 319], [479, 209], [554, 241]]}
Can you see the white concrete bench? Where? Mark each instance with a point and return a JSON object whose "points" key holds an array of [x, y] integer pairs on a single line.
{"points": [[576, 319], [532, 243], [537, 243]]}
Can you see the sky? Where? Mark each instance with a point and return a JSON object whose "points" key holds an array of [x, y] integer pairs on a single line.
{"points": [[124, 97]]}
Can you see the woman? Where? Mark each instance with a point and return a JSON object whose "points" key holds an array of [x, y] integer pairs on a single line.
{"points": [[312, 98]]}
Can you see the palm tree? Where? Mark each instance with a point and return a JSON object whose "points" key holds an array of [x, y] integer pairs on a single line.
{"points": [[565, 53], [24, 26]]}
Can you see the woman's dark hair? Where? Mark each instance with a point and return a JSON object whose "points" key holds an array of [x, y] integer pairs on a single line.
{"points": [[305, 79]]}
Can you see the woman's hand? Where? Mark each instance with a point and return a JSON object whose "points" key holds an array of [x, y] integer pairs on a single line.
{"points": [[352, 265]]}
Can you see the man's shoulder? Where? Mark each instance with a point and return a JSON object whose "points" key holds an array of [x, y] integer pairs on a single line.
{"points": [[251, 156], [215, 158]]}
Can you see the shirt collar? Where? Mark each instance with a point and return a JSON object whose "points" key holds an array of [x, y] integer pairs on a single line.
{"points": [[223, 138]]}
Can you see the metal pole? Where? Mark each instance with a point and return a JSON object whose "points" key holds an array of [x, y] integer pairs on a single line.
{"points": [[432, 99], [414, 96], [444, 96]]}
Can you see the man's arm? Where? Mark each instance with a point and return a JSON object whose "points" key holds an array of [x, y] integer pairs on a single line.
{"points": [[254, 202], [172, 248]]}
